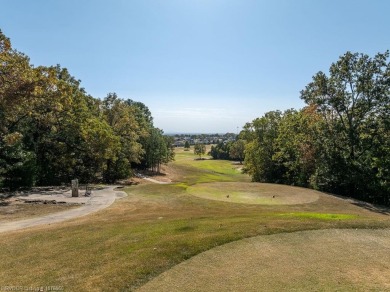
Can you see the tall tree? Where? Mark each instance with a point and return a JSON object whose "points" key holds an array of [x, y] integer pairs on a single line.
{"points": [[121, 118], [187, 146], [18, 96], [221, 150], [261, 147], [354, 103], [296, 148], [237, 150], [199, 149], [51, 130]]}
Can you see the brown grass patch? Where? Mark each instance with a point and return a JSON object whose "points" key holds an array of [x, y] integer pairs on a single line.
{"points": [[325, 260], [14, 210]]}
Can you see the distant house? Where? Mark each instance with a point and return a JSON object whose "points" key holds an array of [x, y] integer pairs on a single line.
{"points": [[179, 143]]}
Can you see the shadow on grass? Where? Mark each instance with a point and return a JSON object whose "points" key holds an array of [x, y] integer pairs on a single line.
{"points": [[4, 203], [380, 209], [373, 208]]}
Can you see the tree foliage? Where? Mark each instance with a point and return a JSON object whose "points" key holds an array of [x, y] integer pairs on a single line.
{"points": [[187, 146], [232, 150], [220, 151], [52, 131], [237, 150], [199, 149], [339, 142]]}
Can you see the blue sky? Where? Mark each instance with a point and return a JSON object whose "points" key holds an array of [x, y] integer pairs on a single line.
{"points": [[199, 65]]}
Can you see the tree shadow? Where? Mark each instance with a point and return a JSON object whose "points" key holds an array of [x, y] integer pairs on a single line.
{"points": [[152, 173], [4, 203], [373, 208], [380, 209], [25, 192]]}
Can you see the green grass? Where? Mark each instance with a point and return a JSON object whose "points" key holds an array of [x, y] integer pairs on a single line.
{"points": [[157, 227], [194, 171], [253, 193]]}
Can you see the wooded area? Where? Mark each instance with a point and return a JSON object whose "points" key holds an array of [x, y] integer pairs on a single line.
{"points": [[52, 131], [338, 143]]}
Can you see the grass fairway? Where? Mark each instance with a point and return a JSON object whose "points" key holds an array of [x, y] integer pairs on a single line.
{"points": [[159, 226]]}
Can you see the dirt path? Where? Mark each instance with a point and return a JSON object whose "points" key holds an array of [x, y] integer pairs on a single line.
{"points": [[321, 260], [99, 200], [156, 181]]}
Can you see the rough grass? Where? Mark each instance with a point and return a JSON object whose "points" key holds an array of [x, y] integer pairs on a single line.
{"points": [[155, 228]]}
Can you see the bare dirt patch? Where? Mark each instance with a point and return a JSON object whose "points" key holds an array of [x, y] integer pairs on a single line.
{"points": [[321, 260], [100, 198], [38, 201], [16, 209], [254, 193]]}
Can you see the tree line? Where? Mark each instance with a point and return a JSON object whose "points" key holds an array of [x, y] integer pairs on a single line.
{"points": [[339, 142], [232, 150], [52, 131]]}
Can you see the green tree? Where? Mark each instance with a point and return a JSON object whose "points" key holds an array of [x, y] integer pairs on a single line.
{"points": [[121, 118], [17, 99], [259, 151], [237, 150], [354, 104], [199, 149], [220, 151], [296, 149], [51, 130], [159, 150], [187, 146]]}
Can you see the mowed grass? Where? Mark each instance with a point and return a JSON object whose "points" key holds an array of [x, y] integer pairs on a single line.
{"points": [[254, 193], [157, 227], [191, 170]]}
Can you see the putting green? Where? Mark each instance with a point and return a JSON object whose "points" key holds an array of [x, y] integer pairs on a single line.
{"points": [[254, 193]]}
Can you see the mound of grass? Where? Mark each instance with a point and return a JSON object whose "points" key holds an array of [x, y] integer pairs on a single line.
{"points": [[253, 193]]}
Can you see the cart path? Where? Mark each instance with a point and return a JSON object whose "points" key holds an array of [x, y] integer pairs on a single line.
{"points": [[99, 200]]}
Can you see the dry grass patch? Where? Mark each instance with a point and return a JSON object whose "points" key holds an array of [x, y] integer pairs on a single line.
{"points": [[323, 260], [13, 210]]}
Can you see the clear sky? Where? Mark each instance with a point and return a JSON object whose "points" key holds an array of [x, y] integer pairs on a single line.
{"points": [[199, 65]]}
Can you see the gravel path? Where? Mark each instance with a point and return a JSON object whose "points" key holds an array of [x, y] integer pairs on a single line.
{"points": [[99, 200]]}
